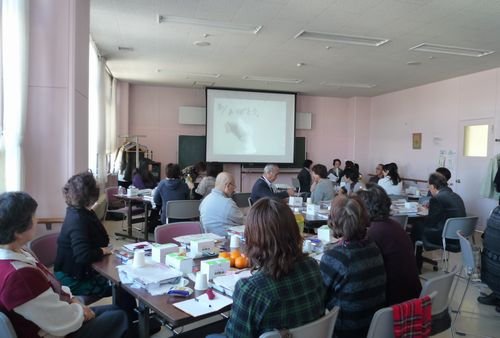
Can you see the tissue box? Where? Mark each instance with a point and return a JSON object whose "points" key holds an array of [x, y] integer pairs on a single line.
{"points": [[312, 209], [295, 201], [182, 263], [214, 267], [325, 233], [159, 251], [201, 246]]}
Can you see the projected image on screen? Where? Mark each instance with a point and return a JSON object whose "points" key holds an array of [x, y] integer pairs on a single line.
{"points": [[250, 126]]}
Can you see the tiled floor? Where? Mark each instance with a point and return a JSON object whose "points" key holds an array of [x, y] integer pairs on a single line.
{"points": [[475, 320]]}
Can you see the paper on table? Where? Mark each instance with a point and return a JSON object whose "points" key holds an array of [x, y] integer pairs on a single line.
{"points": [[229, 281], [188, 238], [202, 305]]}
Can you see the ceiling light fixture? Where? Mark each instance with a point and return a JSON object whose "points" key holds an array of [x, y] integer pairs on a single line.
{"points": [[270, 79], [203, 84], [125, 49], [222, 25], [453, 50], [341, 38], [348, 85], [201, 43], [198, 75]]}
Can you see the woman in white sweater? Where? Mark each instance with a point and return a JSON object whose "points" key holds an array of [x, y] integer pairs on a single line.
{"points": [[391, 182]]}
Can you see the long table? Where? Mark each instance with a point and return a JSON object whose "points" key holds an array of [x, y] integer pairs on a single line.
{"points": [[130, 201], [161, 305]]}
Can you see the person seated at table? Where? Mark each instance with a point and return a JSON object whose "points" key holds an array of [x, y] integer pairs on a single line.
{"points": [[336, 171], [30, 296], [171, 188], [490, 260], [263, 187], [378, 173], [403, 282], [444, 204], [82, 241], [218, 211], [447, 174], [352, 183], [323, 187], [285, 289], [391, 182], [208, 182], [353, 270], [304, 177], [143, 178]]}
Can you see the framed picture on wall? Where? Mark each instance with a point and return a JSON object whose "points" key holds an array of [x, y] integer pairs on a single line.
{"points": [[417, 140]]}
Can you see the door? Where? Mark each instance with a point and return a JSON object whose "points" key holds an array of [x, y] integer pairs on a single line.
{"points": [[475, 150]]}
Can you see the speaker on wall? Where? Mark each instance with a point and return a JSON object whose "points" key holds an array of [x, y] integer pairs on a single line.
{"points": [[303, 121], [192, 115]]}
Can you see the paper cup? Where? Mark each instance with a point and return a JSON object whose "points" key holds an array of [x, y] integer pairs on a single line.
{"points": [[201, 282], [307, 246], [139, 259], [309, 200], [235, 242]]}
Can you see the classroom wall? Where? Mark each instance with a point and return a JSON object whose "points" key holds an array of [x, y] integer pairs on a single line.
{"points": [[153, 111], [56, 138]]}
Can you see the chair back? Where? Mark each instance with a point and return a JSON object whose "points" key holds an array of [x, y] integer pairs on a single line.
{"points": [[296, 184], [322, 327], [45, 248], [442, 284], [242, 199], [467, 254], [6, 328], [466, 225], [111, 201], [401, 219], [166, 233], [382, 324], [183, 209]]}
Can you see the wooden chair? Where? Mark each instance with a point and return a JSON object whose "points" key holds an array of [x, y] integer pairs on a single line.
{"points": [[48, 221], [322, 327]]}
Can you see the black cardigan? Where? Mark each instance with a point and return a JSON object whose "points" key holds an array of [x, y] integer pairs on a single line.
{"points": [[79, 243]]}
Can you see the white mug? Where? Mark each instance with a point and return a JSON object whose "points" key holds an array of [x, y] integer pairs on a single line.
{"points": [[234, 242]]}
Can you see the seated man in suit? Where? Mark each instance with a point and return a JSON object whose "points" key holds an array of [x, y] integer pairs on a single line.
{"points": [[444, 204], [263, 186], [218, 211]]}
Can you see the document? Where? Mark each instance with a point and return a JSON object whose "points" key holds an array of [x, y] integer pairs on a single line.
{"points": [[201, 305]]}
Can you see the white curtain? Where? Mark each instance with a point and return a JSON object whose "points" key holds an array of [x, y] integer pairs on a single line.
{"points": [[15, 48], [111, 121], [97, 116]]}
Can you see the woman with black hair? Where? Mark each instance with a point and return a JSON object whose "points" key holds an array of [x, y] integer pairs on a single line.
{"points": [[391, 182]]}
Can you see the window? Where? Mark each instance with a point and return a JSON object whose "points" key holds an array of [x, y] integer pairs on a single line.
{"points": [[476, 140]]}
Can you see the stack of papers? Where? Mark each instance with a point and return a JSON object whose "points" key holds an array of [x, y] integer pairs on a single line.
{"points": [[150, 276], [198, 237], [227, 282], [201, 305], [146, 246]]}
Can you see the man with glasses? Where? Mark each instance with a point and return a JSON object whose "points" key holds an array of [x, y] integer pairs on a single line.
{"points": [[218, 211], [263, 187]]}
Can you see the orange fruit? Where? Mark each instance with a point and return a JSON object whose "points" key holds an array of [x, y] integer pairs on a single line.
{"points": [[241, 262], [235, 254], [224, 254], [232, 260]]}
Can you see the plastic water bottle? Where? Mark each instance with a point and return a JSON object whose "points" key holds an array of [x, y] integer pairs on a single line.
{"points": [[299, 218]]}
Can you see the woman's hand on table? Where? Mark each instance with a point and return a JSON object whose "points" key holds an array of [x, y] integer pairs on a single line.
{"points": [[106, 251]]}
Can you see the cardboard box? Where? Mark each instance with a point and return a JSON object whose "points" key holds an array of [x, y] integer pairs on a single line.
{"points": [[159, 251], [182, 263], [312, 209], [295, 201], [325, 234], [214, 267], [201, 246]]}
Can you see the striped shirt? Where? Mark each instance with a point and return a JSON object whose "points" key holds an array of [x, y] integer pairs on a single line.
{"points": [[262, 304], [354, 276]]}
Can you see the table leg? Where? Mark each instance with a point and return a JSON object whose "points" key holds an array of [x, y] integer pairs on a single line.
{"points": [[146, 218], [129, 218], [143, 320]]}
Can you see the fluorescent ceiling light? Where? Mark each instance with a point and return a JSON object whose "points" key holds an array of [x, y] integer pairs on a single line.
{"points": [[431, 48], [270, 79], [348, 85], [203, 83], [341, 38], [222, 25], [198, 75]]}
